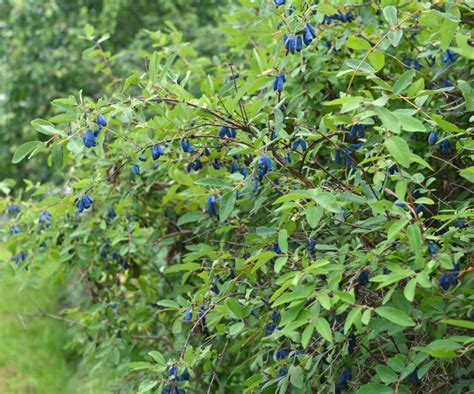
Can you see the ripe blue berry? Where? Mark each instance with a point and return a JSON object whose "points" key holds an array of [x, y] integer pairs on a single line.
{"points": [[432, 138], [89, 139], [101, 120], [157, 151], [279, 82]]}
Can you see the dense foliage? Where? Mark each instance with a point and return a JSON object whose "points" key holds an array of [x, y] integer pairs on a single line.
{"points": [[292, 215]]}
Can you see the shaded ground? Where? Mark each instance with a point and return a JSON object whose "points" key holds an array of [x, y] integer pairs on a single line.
{"points": [[32, 355]]}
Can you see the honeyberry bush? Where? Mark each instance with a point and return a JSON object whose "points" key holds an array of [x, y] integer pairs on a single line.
{"points": [[293, 215]]}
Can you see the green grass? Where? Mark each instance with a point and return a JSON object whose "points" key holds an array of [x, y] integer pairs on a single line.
{"points": [[32, 355]]}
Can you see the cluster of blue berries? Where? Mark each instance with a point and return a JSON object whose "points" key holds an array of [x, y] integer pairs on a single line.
{"points": [[294, 43], [90, 137], [279, 82], [347, 17], [227, 132], [449, 278], [174, 378], [343, 380], [45, 219], [85, 202]]}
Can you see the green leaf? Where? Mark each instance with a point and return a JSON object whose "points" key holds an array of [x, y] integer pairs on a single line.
{"points": [[158, 357], [153, 67], [403, 82], [227, 205], [261, 258], [183, 267], [389, 120], [357, 43], [372, 388], [414, 237], [395, 315], [386, 374], [352, 317], [190, 217], [24, 150], [296, 376], [323, 327], [409, 290], [468, 173], [399, 150], [306, 335], [235, 308], [459, 323], [390, 14], [45, 127], [283, 240], [313, 215], [409, 123]]}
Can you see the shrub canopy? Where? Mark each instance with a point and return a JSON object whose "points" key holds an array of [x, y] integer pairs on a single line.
{"points": [[292, 215]]}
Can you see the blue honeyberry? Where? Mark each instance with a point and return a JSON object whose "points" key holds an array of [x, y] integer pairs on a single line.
{"points": [[392, 169], [413, 377], [352, 343], [432, 248], [45, 219], [281, 354], [326, 43], [355, 146], [172, 371], [157, 151], [311, 245], [449, 56], [276, 317], [197, 165], [279, 82], [357, 130], [184, 376], [142, 158], [344, 378], [363, 278], [214, 289], [89, 139], [299, 44], [207, 151], [300, 142], [111, 214], [309, 35], [216, 165], [136, 169], [188, 315], [265, 163], [19, 257], [420, 208], [100, 120], [223, 131], [458, 223], [282, 372], [186, 145], [291, 44], [256, 185], [13, 209], [269, 329], [432, 138], [243, 172], [211, 205], [278, 3], [445, 147], [447, 83], [416, 65], [338, 157], [83, 203], [401, 204]]}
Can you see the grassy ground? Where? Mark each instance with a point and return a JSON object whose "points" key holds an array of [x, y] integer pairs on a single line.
{"points": [[32, 356]]}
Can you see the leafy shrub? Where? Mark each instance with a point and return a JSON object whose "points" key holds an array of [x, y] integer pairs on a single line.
{"points": [[292, 215]]}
